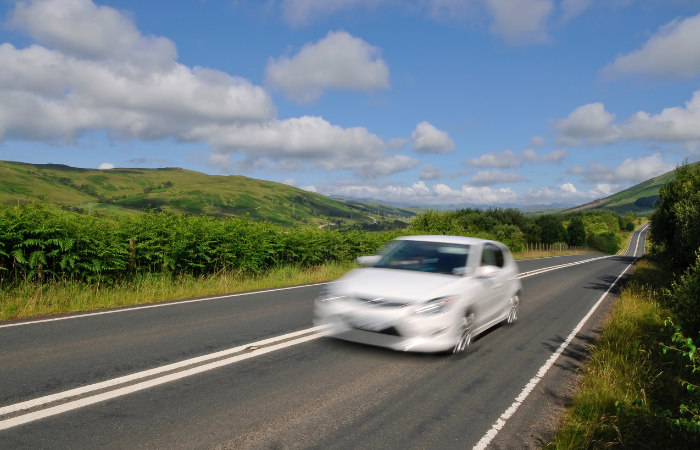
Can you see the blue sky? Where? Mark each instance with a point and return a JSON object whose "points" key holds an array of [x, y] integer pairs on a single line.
{"points": [[425, 102]]}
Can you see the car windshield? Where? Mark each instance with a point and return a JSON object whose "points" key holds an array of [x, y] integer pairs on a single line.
{"points": [[434, 257]]}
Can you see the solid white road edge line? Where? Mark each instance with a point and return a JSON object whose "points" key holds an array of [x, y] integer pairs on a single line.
{"points": [[158, 305], [488, 437], [147, 373], [31, 417]]}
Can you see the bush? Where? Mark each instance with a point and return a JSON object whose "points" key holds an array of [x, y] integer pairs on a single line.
{"points": [[684, 299], [577, 232], [676, 220]]}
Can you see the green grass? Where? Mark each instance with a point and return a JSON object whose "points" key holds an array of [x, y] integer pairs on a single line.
{"points": [[129, 191], [628, 380], [27, 300]]}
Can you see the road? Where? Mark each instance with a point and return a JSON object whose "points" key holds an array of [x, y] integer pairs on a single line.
{"points": [[299, 391]]}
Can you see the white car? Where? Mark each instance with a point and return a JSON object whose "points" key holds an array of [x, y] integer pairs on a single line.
{"points": [[423, 294]]}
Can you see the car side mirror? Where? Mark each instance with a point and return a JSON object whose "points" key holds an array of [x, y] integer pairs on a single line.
{"points": [[486, 271], [368, 261]]}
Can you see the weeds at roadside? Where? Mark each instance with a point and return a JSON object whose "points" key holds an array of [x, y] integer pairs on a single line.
{"points": [[24, 300], [629, 382]]}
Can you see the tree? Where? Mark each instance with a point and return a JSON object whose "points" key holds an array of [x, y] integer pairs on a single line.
{"points": [[552, 229], [676, 220], [577, 232]]}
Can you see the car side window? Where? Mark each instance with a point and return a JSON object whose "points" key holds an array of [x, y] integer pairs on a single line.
{"points": [[498, 253], [492, 256], [487, 256]]}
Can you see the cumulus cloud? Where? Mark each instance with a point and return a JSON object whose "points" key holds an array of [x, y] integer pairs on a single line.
{"points": [[93, 70], [430, 172], [573, 8], [506, 159], [537, 141], [591, 125], [428, 139], [509, 159], [420, 194], [629, 171], [521, 21], [106, 166], [553, 157], [565, 193], [338, 61], [672, 52], [93, 77], [297, 143], [491, 177]]}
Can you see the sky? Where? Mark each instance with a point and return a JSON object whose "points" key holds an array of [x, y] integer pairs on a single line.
{"points": [[418, 102]]}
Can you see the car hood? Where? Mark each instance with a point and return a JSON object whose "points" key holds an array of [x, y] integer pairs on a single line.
{"points": [[398, 285]]}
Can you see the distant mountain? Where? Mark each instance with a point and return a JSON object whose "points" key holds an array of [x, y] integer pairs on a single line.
{"points": [[129, 191], [639, 198]]}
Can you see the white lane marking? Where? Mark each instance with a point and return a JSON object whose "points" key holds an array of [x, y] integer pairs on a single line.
{"points": [[30, 417], [147, 373], [159, 305], [560, 266], [488, 437]]}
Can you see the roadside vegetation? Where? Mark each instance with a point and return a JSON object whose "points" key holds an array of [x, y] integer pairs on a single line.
{"points": [[640, 388], [52, 260]]}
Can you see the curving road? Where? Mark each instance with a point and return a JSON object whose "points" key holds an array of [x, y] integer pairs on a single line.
{"points": [[249, 371]]}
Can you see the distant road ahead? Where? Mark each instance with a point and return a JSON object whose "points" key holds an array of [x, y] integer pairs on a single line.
{"points": [[294, 391]]}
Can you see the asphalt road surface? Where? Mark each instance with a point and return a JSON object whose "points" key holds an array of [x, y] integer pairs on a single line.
{"points": [[251, 371]]}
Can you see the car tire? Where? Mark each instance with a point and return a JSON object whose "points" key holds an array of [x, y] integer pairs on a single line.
{"points": [[465, 330], [513, 308]]}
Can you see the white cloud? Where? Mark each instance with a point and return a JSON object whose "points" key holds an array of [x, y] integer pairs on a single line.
{"points": [[299, 143], [98, 72], [553, 157], [338, 61], [429, 172], [537, 141], [428, 139], [290, 182], [491, 177], [106, 166], [672, 52], [592, 124], [629, 171], [564, 193], [506, 159], [420, 194], [57, 94], [521, 21]]}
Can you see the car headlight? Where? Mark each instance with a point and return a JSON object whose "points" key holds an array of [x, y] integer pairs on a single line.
{"points": [[437, 305]]}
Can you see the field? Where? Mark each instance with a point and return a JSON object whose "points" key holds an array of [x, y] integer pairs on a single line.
{"points": [[178, 191]]}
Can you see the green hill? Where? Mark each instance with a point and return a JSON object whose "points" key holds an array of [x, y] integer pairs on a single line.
{"points": [[174, 190], [639, 198]]}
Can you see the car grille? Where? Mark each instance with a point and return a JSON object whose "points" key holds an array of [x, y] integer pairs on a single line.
{"points": [[380, 302]]}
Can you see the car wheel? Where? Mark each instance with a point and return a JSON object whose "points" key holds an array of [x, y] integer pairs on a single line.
{"points": [[514, 305], [464, 333]]}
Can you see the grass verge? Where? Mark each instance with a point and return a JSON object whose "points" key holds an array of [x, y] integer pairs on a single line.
{"points": [[628, 381], [548, 254], [32, 300]]}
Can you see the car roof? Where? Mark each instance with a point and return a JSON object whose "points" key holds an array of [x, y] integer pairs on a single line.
{"points": [[445, 239]]}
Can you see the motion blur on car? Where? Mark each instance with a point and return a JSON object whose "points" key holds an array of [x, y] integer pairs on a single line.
{"points": [[424, 294]]}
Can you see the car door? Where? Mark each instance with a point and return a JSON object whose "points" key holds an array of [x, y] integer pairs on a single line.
{"points": [[501, 280], [490, 305]]}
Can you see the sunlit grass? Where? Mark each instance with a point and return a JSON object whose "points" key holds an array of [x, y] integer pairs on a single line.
{"points": [[31, 299], [547, 254], [628, 380]]}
